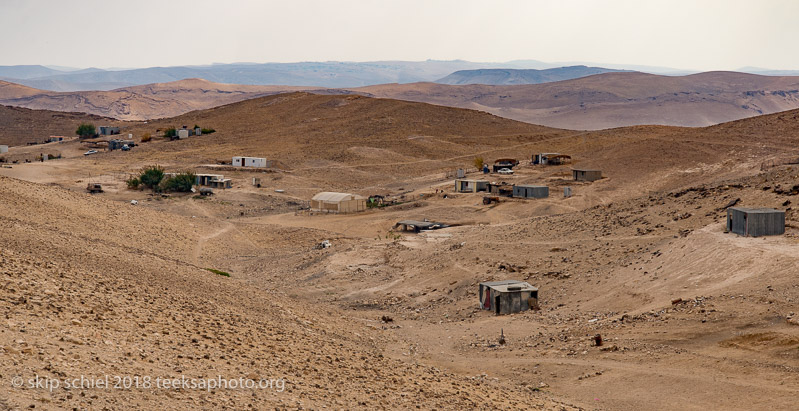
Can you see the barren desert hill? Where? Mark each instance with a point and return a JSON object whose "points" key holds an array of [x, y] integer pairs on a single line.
{"points": [[19, 126], [99, 287], [13, 90], [616, 99], [138, 102], [370, 141], [365, 140]]}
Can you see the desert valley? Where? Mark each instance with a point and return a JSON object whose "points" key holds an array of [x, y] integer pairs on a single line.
{"points": [[352, 311], [396, 205]]}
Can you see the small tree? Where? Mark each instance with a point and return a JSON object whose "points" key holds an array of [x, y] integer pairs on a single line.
{"points": [[146, 137], [170, 132], [478, 162], [151, 176], [182, 182], [86, 130]]}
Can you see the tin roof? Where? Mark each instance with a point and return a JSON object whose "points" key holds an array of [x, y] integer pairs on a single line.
{"points": [[422, 225], [506, 285], [758, 210]]}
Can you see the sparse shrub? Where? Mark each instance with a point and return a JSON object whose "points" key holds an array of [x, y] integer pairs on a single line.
{"points": [[151, 176], [86, 130], [478, 162], [218, 272], [146, 137], [133, 183], [182, 182], [170, 132], [207, 130]]}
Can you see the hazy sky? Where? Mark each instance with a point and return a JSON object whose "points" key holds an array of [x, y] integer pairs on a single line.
{"points": [[692, 34]]}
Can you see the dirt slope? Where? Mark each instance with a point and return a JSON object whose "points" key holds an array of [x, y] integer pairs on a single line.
{"points": [[616, 99], [93, 287], [18, 126]]}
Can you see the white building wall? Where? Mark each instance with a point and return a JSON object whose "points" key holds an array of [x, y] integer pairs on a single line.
{"points": [[248, 161]]}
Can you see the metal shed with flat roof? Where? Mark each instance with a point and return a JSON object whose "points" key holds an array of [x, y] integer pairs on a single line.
{"points": [[507, 296], [586, 174], [755, 222], [530, 191]]}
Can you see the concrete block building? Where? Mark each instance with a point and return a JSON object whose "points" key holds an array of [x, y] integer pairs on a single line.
{"points": [[470, 186]]}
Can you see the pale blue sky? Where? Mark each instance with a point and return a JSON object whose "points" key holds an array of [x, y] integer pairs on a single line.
{"points": [[698, 34]]}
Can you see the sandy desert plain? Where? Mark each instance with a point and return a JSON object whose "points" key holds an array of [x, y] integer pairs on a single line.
{"points": [[691, 317]]}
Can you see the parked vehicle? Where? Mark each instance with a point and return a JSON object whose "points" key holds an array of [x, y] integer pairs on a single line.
{"points": [[90, 152], [505, 171], [94, 188], [125, 148]]}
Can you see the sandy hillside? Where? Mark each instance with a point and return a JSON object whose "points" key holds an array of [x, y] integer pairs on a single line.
{"points": [[690, 315], [19, 126]]}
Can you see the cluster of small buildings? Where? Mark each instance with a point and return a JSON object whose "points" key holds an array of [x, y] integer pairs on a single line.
{"points": [[185, 132], [506, 190]]}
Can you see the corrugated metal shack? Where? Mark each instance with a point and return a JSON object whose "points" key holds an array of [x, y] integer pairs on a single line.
{"points": [[507, 296], [530, 191], [755, 222]]}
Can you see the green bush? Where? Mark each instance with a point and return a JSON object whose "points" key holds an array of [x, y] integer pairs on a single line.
{"points": [[86, 130], [133, 183], [170, 132], [151, 176], [182, 182], [207, 130], [219, 272]]}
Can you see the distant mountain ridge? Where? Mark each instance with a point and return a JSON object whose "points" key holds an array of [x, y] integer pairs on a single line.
{"points": [[330, 74], [506, 77], [612, 99]]}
